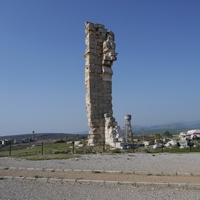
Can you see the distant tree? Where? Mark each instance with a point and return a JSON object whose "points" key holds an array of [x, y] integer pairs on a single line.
{"points": [[60, 141], [167, 134], [79, 136], [158, 136], [76, 137]]}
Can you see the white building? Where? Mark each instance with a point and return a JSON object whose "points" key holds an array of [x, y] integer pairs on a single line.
{"points": [[191, 133]]}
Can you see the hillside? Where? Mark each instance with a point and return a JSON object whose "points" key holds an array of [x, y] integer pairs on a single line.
{"points": [[40, 136]]}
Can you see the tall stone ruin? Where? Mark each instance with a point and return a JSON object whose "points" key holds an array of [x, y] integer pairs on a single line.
{"points": [[99, 56]]}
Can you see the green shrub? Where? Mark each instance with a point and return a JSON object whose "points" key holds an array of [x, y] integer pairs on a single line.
{"points": [[60, 141], [116, 151]]}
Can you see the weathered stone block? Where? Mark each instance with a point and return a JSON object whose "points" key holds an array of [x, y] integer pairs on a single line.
{"points": [[99, 56]]}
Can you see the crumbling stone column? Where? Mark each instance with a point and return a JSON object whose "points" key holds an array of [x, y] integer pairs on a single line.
{"points": [[99, 56]]}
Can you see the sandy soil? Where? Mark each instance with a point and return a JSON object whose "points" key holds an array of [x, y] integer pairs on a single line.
{"points": [[101, 176]]}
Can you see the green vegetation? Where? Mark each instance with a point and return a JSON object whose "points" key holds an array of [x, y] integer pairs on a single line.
{"points": [[167, 134], [116, 151], [60, 141], [36, 176], [97, 172], [39, 151], [64, 149]]}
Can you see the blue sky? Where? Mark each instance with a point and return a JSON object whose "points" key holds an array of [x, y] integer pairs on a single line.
{"points": [[156, 76]]}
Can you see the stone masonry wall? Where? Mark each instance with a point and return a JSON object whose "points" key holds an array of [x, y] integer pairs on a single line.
{"points": [[99, 56]]}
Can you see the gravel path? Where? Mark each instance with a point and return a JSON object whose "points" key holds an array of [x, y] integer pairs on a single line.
{"points": [[51, 191], [101, 176], [152, 163]]}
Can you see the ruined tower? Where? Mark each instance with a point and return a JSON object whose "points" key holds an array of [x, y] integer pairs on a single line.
{"points": [[128, 128], [99, 56]]}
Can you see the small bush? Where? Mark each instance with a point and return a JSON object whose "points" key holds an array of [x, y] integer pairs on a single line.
{"points": [[60, 141], [97, 172], [117, 151]]}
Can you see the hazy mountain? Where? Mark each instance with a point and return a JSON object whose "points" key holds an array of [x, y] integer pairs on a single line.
{"points": [[175, 127], [39, 136]]}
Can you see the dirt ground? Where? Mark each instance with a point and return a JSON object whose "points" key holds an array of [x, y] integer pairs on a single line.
{"points": [[101, 176]]}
